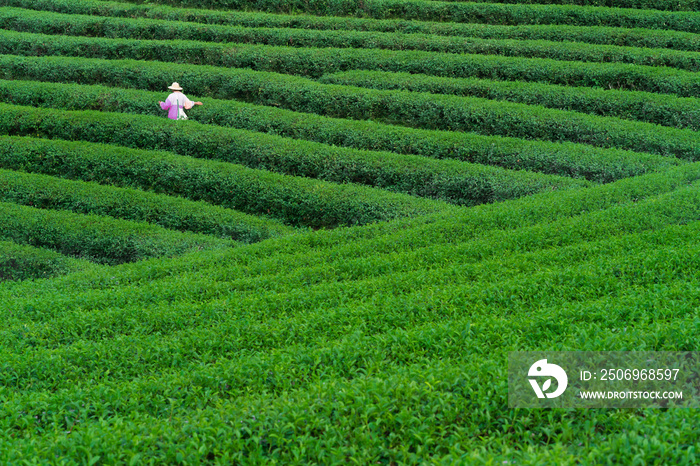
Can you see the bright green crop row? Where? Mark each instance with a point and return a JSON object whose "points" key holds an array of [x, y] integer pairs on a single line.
{"points": [[654, 213], [299, 377], [359, 252], [605, 165], [467, 12], [449, 180], [277, 286], [309, 346], [374, 250], [671, 5], [650, 38], [480, 115], [666, 110], [99, 239], [476, 263], [21, 20], [294, 200], [189, 369], [21, 262], [160, 331], [317, 62], [317, 400], [274, 90], [174, 213]]}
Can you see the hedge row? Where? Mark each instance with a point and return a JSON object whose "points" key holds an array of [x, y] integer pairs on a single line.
{"points": [[99, 239], [449, 180], [567, 159], [21, 262], [650, 38], [467, 12], [420, 242], [448, 113], [666, 110], [81, 25], [325, 366], [483, 261], [174, 213], [668, 5], [317, 62], [144, 386], [296, 201]]}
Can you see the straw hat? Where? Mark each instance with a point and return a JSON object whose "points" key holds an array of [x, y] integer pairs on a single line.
{"points": [[175, 87]]}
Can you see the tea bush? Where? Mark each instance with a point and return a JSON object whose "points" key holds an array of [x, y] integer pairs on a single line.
{"points": [[314, 63], [575, 160], [49, 192], [449, 180], [21, 262], [145, 29], [627, 36], [666, 110], [294, 200], [465, 12], [96, 238]]}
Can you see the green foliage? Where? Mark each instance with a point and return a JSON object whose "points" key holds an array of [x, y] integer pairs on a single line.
{"points": [[331, 362], [49, 192], [145, 29], [463, 12], [664, 110], [624, 36], [672, 5], [99, 239], [456, 113], [448, 180], [294, 200], [274, 90], [381, 343], [317, 62], [20, 262]]}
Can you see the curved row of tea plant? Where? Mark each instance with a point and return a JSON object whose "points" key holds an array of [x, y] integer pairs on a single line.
{"points": [[467, 12], [670, 5], [350, 278], [294, 200], [449, 180], [482, 115], [174, 213], [97, 238], [183, 336], [21, 20], [424, 240], [569, 159], [666, 110], [22, 262], [274, 90], [573, 160], [301, 346], [624, 36], [241, 84], [385, 343], [317, 62]]}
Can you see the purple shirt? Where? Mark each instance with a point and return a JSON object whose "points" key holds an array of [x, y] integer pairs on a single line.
{"points": [[174, 103]]}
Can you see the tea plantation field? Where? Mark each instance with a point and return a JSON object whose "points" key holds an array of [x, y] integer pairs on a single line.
{"points": [[330, 260]]}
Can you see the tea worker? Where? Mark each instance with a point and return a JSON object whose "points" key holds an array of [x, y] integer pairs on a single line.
{"points": [[176, 103]]}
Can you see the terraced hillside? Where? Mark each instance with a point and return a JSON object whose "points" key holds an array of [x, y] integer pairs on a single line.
{"points": [[331, 259]]}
